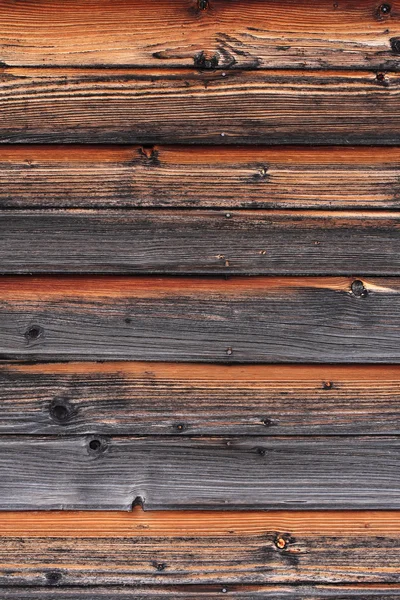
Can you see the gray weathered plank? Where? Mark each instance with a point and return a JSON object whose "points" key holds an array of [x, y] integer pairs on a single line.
{"points": [[97, 472], [166, 399], [208, 592], [200, 242], [278, 320], [143, 106]]}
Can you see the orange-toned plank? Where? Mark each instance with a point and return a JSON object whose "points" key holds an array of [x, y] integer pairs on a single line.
{"points": [[243, 34], [176, 524], [202, 549], [199, 176]]}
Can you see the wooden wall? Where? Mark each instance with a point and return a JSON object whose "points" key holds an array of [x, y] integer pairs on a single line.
{"points": [[199, 299]]}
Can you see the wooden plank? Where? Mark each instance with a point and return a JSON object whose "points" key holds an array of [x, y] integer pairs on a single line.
{"points": [[198, 176], [194, 399], [172, 525], [185, 106], [209, 592], [98, 472], [246, 555], [242, 34], [324, 320], [73, 176], [200, 242]]}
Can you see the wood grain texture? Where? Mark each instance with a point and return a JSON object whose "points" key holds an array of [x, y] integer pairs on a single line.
{"points": [[104, 472], [165, 398], [240, 34], [195, 591], [73, 176], [205, 524], [82, 547], [324, 320], [185, 106], [246, 554], [200, 242]]}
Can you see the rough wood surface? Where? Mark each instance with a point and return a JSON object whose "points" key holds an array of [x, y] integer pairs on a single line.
{"points": [[56, 591], [248, 548], [243, 33], [200, 242], [199, 176], [173, 525], [101, 472], [165, 398], [324, 320], [186, 106]]}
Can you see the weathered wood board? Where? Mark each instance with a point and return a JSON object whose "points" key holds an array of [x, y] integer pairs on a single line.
{"points": [[93, 176], [192, 399], [239, 34], [152, 106], [200, 242], [323, 320], [143, 142], [53, 591], [105, 472], [194, 550]]}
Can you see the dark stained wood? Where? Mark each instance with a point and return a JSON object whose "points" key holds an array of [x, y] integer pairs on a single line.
{"points": [[154, 106], [73, 176], [165, 398], [209, 592], [325, 320], [243, 33], [200, 242], [100, 472], [243, 550]]}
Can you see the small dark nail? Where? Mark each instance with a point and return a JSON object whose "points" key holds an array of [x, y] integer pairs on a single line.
{"points": [[380, 76], [267, 422], [385, 9], [327, 385], [160, 566], [202, 4], [261, 451], [358, 289], [181, 427]]}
